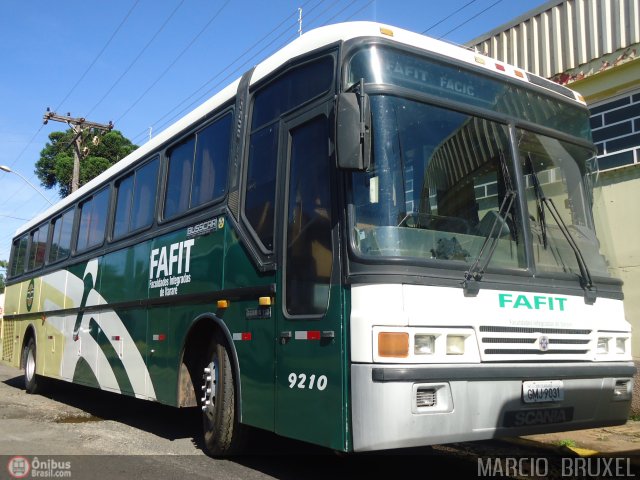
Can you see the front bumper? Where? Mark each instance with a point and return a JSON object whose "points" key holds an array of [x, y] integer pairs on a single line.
{"points": [[477, 401]]}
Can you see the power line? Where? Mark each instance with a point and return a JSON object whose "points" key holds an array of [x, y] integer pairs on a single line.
{"points": [[309, 22], [469, 19], [99, 54], [219, 73], [287, 40], [204, 85], [25, 148], [135, 60], [79, 80], [184, 50], [359, 10], [340, 12], [448, 16], [15, 218]]}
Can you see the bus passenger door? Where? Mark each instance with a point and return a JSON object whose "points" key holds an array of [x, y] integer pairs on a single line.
{"points": [[310, 393]]}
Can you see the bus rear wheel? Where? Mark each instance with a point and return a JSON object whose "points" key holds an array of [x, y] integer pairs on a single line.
{"points": [[31, 380], [222, 431]]}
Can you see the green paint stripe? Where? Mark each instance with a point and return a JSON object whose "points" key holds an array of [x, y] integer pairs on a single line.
{"points": [[112, 356]]}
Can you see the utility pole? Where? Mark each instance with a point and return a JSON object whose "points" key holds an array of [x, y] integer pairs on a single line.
{"points": [[79, 126]]}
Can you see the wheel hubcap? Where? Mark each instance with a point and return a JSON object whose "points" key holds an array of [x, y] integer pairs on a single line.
{"points": [[30, 366], [209, 382]]}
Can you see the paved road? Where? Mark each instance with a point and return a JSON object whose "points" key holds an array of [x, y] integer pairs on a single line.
{"points": [[104, 435]]}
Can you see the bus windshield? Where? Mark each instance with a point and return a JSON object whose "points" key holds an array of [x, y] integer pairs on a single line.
{"points": [[435, 186], [437, 181]]}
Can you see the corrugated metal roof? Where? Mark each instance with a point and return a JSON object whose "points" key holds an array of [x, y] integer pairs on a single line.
{"points": [[562, 35]]}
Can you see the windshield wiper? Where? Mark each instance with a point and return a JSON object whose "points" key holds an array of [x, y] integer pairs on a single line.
{"points": [[586, 281], [476, 271]]}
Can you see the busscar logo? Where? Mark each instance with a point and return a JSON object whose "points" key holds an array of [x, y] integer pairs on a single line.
{"points": [[203, 228]]}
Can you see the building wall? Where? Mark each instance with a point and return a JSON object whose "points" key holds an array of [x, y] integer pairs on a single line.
{"points": [[593, 47], [562, 35]]}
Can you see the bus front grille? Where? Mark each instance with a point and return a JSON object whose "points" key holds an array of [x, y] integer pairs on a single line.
{"points": [[503, 342]]}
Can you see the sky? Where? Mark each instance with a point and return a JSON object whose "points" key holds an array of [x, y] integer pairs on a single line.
{"points": [[143, 64]]}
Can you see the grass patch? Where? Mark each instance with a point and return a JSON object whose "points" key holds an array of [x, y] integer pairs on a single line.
{"points": [[635, 417], [566, 443]]}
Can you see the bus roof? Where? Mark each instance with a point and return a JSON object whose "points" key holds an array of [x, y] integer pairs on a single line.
{"points": [[310, 41]]}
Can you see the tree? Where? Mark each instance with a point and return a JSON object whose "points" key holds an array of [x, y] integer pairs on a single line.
{"points": [[55, 167], [3, 266]]}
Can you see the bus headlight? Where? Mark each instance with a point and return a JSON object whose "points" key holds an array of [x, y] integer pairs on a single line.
{"points": [[418, 344], [621, 346], [424, 344], [455, 344]]}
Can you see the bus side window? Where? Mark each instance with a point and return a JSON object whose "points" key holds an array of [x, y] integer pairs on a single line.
{"points": [[61, 238], [38, 246], [212, 161], [19, 254], [136, 199], [294, 88], [309, 251], [261, 183], [93, 220], [179, 178]]}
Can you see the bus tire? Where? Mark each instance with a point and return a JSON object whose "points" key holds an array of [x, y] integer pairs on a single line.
{"points": [[223, 434], [31, 380]]}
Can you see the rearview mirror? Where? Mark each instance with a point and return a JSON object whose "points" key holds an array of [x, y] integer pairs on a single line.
{"points": [[353, 131]]}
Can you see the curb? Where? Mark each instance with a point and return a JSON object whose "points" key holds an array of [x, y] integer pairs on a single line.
{"points": [[566, 451]]}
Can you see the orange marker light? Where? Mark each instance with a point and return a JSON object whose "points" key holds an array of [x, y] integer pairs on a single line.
{"points": [[264, 301], [393, 344], [223, 304]]}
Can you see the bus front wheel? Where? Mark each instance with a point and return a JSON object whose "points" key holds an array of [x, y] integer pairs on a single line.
{"points": [[222, 431]]}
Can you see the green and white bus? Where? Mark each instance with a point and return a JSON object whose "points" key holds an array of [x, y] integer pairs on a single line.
{"points": [[371, 240]]}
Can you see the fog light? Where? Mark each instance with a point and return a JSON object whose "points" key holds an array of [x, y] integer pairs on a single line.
{"points": [[393, 344], [603, 346], [424, 344], [455, 344], [622, 390], [620, 346]]}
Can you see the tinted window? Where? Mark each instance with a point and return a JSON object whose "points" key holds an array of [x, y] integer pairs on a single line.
{"points": [[198, 168], [136, 200], [61, 238], [309, 258], [144, 196], [19, 254], [212, 159], [261, 183], [38, 247], [179, 178], [386, 65], [93, 220], [292, 89], [123, 206]]}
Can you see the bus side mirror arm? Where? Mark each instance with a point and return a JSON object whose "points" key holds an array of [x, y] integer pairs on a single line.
{"points": [[353, 131]]}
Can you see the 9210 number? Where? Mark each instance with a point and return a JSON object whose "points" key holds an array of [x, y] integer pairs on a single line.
{"points": [[300, 380]]}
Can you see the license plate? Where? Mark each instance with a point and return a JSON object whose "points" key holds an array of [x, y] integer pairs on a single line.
{"points": [[543, 391]]}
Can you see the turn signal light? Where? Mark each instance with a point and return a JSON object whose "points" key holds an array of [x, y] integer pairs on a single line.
{"points": [[393, 344]]}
